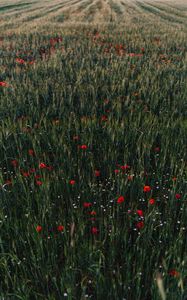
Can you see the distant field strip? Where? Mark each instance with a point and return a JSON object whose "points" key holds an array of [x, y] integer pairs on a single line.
{"points": [[16, 14], [165, 13]]}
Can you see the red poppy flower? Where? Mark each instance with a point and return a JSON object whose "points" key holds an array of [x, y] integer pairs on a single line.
{"points": [[116, 171], [106, 101], [125, 167], [93, 213], [14, 163], [84, 147], [8, 182], [157, 149], [152, 201], [104, 118], [72, 182], [146, 188], [135, 54], [3, 83], [38, 228], [42, 166], [120, 199], [97, 173], [75, 137], [178, 196], [52, 41], [60, 228], [31, 152], [20, 61], [87, 204], [140, 212], [173, 273], [49, 168], [94, 230], [140, 225], [38, 182], [25, 174]]}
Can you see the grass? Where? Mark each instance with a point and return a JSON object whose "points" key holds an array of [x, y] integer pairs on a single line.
{"points": [[7, 7], [116, 8], [157, 11], [91, 116]]}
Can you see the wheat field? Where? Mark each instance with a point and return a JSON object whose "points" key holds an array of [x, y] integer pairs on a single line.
{"points": [[21, 15], [93, 144]]}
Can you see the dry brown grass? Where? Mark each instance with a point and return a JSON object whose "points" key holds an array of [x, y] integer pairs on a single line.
{"points": [[58, 13]]}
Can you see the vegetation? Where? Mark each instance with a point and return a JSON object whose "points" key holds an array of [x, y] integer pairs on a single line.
{"points": [[93, 151]]}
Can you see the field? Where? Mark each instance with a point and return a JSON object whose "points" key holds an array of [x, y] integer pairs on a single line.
{"points": [[93, 143]]}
